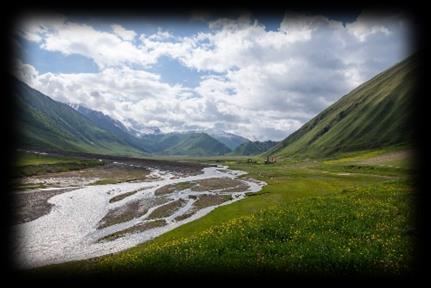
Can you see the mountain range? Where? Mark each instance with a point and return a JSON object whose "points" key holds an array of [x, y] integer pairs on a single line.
{"points": [[151, 140], [375, 114], [46, 124]]}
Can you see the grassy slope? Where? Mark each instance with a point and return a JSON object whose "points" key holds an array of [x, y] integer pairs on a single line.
{"points": [[230, 140], [28, 164], [47, 124], [373, 115], [253, 148], [115, 127], [311, 216], [197, 144]]}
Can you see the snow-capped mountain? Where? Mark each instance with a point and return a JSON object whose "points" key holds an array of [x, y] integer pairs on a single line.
{"points": [[98, 116], [138, 130], [150, 139]]}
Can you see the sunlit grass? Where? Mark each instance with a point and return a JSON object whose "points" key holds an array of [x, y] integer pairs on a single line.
{"points": [[309, 218], [361, 229], [29, 164]]}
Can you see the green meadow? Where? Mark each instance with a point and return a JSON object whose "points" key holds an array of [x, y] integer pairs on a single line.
{"points": [[29, 164], [339, 215]]}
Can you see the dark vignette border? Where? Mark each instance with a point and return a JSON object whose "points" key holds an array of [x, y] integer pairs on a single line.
{"points": [[416, 12]]}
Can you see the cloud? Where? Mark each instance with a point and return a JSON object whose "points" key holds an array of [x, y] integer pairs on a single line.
{"points": [[122, 93], [106, 49], [369, 23], [257, 83], [124, 34], [35, 27], [25, 72], [160, 36]]}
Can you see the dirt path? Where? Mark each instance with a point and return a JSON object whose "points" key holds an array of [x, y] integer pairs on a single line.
{"points": [[389, 157]]}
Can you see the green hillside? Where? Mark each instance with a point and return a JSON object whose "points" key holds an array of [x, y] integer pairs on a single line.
{"points": [[115, 127], [159, 143], [47, 124], [375, 114], [231, 141], [197, 144], [318, 218], [254, 148]]}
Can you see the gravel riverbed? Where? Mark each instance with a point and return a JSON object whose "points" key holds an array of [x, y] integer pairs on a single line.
{"points": [[72, 229]]}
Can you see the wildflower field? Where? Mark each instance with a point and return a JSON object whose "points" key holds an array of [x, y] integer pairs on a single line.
{"points": [[312, 217]]}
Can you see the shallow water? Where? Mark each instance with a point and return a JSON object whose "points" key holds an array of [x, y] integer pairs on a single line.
{"points": [[69, 232]]}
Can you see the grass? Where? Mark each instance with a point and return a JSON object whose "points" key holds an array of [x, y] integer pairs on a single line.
{"points": [[29, 164], [167, 209], [122, 196], [308, 219], [128, 212], [30, 186], [137, 228], [375, 114], [107, 181], [360, 230], [173, 187]]}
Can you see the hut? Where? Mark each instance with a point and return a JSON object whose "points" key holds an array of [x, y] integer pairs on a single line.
{"points": [[270, 159]]}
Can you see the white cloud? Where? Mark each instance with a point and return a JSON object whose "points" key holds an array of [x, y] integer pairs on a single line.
{"points": [[25, 72], [369, 23], [35, 27], [161, 36], [124, 34], [260, 84], [106, 49], [119, 92]]}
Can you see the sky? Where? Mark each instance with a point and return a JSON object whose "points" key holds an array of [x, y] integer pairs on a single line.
{"points": [[261, 77]]}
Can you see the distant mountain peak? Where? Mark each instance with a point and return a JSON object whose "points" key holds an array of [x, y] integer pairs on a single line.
{"points": [[229, 139], [138, 129], [74, 105]]}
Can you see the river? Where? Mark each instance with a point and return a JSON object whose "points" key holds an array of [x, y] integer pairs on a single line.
{"points": [[71, 231]]}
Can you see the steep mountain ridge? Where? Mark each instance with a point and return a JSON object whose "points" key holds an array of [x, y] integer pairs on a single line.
{"points": [[47, 124], [375, 114]]}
